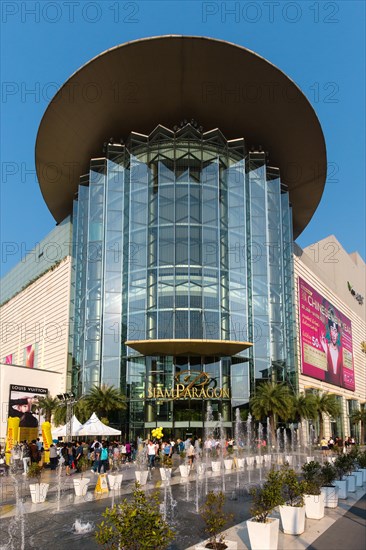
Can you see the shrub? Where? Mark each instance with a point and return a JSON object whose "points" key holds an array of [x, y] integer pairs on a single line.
{"points": [[361, 459], [267, 497], [135, 525], [293, 490], [212, 513], [328, 474], [34, 471], [341, 465], [312, 477]]}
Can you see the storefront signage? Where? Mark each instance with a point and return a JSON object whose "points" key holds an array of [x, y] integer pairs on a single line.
{"points": [[192, 385]]}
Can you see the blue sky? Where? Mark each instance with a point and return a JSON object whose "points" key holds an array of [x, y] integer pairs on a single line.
{"points": [[318, 44]]}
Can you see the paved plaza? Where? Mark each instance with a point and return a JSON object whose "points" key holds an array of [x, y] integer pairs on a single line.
{"points": [[51, 524]]}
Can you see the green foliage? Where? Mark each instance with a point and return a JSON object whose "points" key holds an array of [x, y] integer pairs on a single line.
{"points": [[312, 477], [230, 451], [267, 497], [183, 455], [271, 400], [104, 399], [326, 403], [303, 407], [47, 405], [359, 416], [212, 513], [34, 471], [293, 490], [328, 474], [341, 464], [167, 461], [83, 464], [135, 525], [361, 459]]}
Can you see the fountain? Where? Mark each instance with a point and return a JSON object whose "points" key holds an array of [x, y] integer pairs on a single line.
{"points": [[260, 437], [80, 528], [249, 442]]}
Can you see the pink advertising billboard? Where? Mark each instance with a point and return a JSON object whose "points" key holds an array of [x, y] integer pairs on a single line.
{"points": [[326, 339]]}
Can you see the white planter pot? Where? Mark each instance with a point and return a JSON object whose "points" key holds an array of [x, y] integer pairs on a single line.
{"points": [[331, 459], [289, 459], [363, 470], [38, 492], [228, 464], [184, 470], [250, 461], [342, 486], [201, 469], [115, 481], [240, 462], [141, 476], [259, 460], [330, 496], [293, 519], [216, 465], [351, 483], [165, 474], [263, 535], [314, 506], [231, 545], [309, 459], [81, 486], [359, 478]]}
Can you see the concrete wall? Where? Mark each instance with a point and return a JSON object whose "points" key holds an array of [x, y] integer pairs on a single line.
{"points": [[40, 315]]}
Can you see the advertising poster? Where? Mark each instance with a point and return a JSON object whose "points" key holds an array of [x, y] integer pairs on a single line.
{"points": [[8, 360], [23, 402], [326, 339], [29, 356]]}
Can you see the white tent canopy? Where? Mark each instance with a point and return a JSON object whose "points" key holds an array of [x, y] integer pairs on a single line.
{"points": [[94, 426], [61, 430]]}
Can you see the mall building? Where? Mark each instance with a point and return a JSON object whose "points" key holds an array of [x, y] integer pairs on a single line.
{"points": [[181, 285]]}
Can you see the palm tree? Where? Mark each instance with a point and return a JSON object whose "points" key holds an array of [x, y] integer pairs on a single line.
{"points": [[271, 400], [359, 416], [80, 410], [325, 403], [47, 405], [303, 407], [104, 399]]}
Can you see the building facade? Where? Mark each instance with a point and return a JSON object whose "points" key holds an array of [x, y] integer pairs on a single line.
{"points": [[330, 291], [182, 260], [182, 290]]}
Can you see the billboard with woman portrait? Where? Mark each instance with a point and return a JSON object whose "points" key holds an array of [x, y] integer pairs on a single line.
{"points": [[325, 338]]}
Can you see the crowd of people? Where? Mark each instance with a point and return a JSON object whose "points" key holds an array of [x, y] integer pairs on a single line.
{"points": [[336, 444]]}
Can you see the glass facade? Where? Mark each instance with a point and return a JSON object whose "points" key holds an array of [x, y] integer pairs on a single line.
{"points": [[181, 235]]}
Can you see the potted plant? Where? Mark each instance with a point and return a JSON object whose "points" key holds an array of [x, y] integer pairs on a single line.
{"points": [[184, 467], [215, 462], [350, 477], [134, 524], [292, 512], [81, 483], [340, 465], [38, 490], [262, 529], [239, 459], [166, 469], [354, 456], [212, 512], [141, 472], [229, 462], [330, 491], [361, 459], [115, 478], [313, 497]]}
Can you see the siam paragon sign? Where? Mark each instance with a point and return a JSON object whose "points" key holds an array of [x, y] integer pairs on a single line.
{"points": [[190, 384]]}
